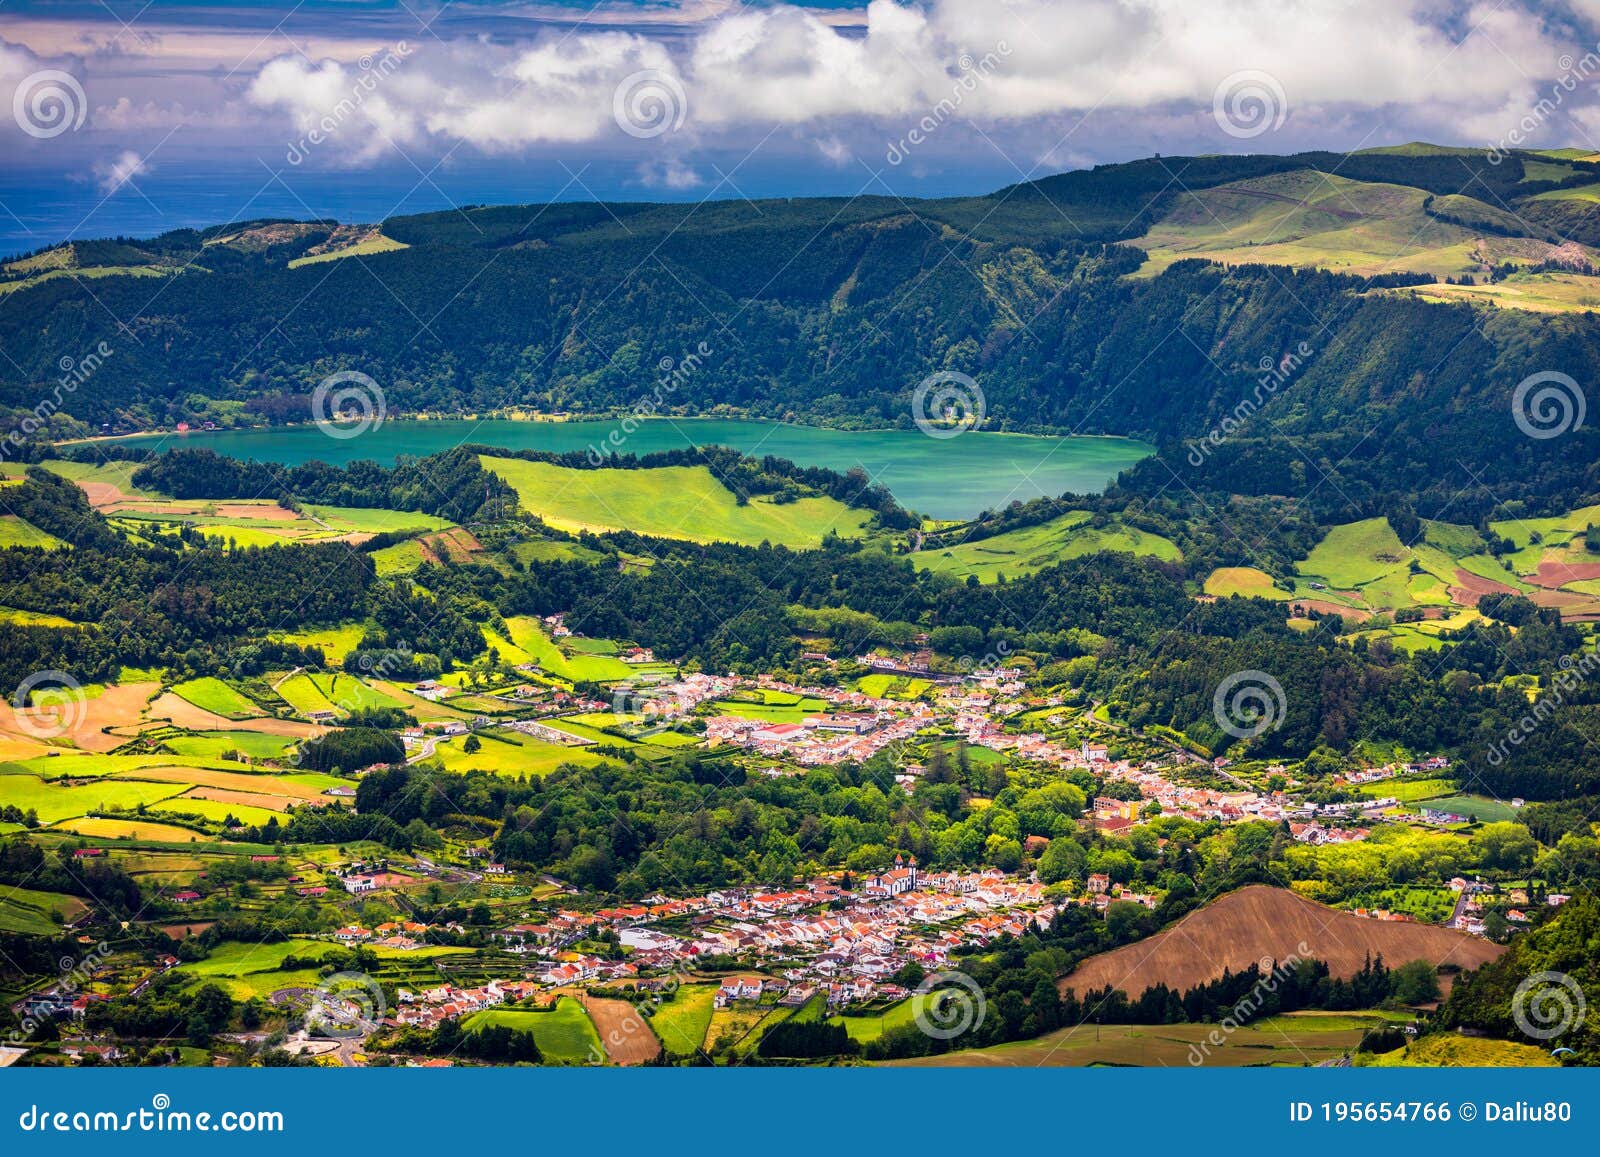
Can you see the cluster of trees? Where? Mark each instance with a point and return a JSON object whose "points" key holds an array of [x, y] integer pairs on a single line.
{"points": [[1557, 961], [24, 863], [499, 1043], [349, 749]]}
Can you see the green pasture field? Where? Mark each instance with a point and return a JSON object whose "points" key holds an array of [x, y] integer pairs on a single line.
{"points": [[892, 686], [336, 642], [1475, 807], [671, 502], [510, 753], [1304, 219], [527, 634], [235, 959], [211, 744], [369, 247], [1022, 552], [214, 695], [565, 1034], [55, 802], [116, 473], [680, 1024], [1356, 553], [768, 713], [28, 911], [15, 531], [871, 1027], [216, 811]]}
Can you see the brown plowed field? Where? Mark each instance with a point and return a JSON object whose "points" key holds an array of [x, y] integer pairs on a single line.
{"points": [[185, 714], [1469, 588], [1260, 923], [1554, 574], [625, 1034]]}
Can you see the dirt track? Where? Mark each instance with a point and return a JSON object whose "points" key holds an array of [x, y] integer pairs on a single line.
{"points": [[1260, 923]]}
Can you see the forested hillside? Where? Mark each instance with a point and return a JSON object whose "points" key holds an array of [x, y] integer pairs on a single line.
{"points": [[832, 310]]}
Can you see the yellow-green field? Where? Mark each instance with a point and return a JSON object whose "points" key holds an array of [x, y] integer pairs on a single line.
{"points": [[509, 753], [216, 696], [1245, 581], [1321, 220], [565, 1034], [671, 502], [377, 243], [15, 531], [1017, 553]]}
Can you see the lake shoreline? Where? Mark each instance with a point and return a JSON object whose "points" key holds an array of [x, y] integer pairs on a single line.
{"points": [[945, 474], [567, 418]]}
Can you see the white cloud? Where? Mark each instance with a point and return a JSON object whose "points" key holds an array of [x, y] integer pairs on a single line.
{"points": [[669, 174], [1142, 71], [991, 62], [118, 171]]}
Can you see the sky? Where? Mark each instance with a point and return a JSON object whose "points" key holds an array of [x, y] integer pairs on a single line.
{"points": [[130, 117]]}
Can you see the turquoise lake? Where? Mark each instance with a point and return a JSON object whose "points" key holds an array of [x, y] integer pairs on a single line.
{"points": [[949, 478]]}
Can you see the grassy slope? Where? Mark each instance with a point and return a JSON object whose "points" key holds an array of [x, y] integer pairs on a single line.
{"points": [[377, 244], [673, 502], [15, 531], [1307, 218], [1022, 552]]}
